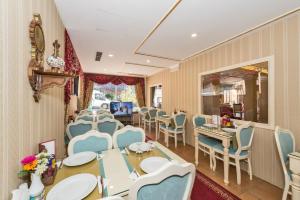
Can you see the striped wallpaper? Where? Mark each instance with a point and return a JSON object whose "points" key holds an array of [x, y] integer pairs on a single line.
{"points": [[279, 39], [24, 123]]}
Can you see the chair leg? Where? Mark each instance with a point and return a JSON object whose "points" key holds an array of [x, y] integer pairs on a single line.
{"points": [[238, 171], [285, 191], [175, 137], [149, 127], [211, 165], [145, 125], [183, 138], [213, 158], [250, 168], [167, 136]]}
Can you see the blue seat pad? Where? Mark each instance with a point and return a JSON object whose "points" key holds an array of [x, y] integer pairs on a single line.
{"points": [[232, 150]]}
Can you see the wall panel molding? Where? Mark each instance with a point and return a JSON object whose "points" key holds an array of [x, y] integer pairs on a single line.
{"points": [[24, 123], [279, 38]]}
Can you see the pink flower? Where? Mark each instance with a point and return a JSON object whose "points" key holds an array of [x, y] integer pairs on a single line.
{"points": [[28, 159]]}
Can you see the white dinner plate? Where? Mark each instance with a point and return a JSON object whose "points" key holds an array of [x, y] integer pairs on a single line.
{"points": [[140, 146], [229, 130], [153, 164], [165, 115], [79, 158], [73, 188], [210, 125]]}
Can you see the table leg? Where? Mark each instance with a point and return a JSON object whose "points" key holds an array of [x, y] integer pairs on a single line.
{"points": [[196, 149], [156, 129], [226, 145], [295, 186], [139, 120]]}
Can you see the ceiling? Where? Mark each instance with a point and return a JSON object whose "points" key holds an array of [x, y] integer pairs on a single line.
{"points": [[131, 29]]}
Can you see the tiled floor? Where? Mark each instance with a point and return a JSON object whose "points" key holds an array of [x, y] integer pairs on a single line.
{"points": [[248, 190]]}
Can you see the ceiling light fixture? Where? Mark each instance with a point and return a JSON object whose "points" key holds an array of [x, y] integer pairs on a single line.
{"points": [[193, 35], [148, 61], [110, 55], [105, 69]]}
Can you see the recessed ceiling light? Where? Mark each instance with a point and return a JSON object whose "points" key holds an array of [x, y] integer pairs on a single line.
{"points": [[193, 35], [148, 61], [105, 69], [110, 55]]}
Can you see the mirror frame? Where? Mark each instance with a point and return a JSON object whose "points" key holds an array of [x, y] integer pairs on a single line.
{"points": [[271, 88]]}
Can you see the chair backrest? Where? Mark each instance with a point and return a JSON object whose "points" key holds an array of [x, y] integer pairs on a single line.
{"points": [[83, 112], [85, 117], [78, 127], [102, 111], [198, 121], [105, 115], [151, 114], [172, 181], [179, 120], [144, 109], [285, 142], [107, 125], [91, 141], [160, 113], [128, 135], [244, 137]]}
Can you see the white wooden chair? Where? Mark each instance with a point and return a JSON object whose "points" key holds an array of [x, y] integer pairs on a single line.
{"points": [[179, 120], [78, 127], [285, 142], [85, 117], [172, 181], [108, 125], [105, 115], [128, 135], [149, 118], [244, 136], [205, 143], [142, 113], [90, 141]]}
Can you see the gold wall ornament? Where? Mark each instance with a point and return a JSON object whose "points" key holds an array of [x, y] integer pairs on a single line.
{"points": [[39, 78]]}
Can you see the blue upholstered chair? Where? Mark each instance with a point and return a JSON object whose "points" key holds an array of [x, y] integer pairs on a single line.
{"points": [[78, 127], [205, 143], [91, 141], [85, 117], [102, 111], [244, 137], [159, 113], [142, 113], [172, 181], [128, 135], [85, 112], [108, 125], [285, 142], [150, 118], [179, 120], [105, 115]]}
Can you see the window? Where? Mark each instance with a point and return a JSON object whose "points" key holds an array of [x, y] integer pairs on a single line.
{"points": [[156, 96], [103, 94]]}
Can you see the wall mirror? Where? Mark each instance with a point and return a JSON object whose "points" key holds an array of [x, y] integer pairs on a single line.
{"points": [[242, 92]]}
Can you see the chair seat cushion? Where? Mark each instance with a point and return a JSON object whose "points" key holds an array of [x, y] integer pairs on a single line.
{"points": [[232, 150], [208, 140], [172, 129]]}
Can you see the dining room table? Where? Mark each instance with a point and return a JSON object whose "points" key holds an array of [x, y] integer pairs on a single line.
{"points": [[115, 167], [219, 134]]}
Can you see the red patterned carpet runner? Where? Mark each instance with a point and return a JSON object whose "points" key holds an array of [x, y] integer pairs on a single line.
{"points": [[206, 189]]}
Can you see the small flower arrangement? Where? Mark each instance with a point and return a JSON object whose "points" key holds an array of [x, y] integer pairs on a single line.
{"points": [[38, 164]]}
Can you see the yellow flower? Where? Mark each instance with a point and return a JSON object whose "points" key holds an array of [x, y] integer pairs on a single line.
{"points": [[30, 166]]}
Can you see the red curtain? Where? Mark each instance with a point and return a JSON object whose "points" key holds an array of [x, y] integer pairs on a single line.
{"points": [[116, 80], [72, 64]]}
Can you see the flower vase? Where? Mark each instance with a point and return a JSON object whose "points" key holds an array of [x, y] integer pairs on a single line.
{"points": [[36, 189]]}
